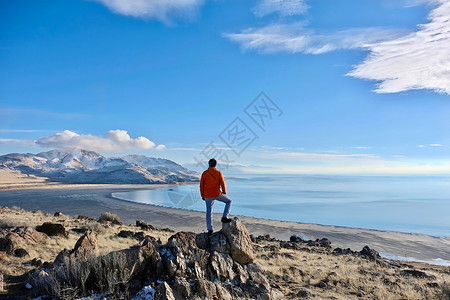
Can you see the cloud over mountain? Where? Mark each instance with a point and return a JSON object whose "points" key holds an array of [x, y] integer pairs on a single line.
{"points": [[114, 140]]}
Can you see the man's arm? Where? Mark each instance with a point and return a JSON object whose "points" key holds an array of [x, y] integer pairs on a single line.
{"points": [[202, 186], [222, 184]]}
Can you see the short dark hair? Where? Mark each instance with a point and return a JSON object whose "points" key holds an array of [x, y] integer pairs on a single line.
{"points": [[212, 162]]}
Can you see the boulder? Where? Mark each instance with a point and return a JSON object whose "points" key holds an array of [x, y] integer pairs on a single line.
{"points": [[222, 293], [37, 262], [20, 252], [10, 241], [369, 253], [164, 292], [86, 246], [58, 214], [1, 282], [31, 236], [202, 241], [205, 289], [52, 229], [144, 226], [221, 266], [239, 240], [86, 218], [127, 234], [182, 288], [218, 242], [185, 241]]}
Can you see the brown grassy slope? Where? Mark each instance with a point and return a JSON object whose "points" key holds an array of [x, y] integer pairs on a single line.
{"points": [[107, 238], [303, 271], [319, 274]]}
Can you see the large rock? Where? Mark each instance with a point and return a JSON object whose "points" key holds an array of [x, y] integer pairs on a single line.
{"points": [[371, 254], [206, 289], [164, 292], [52, 229], [215, 242], [86, 246], [221, 266], [20, 237], [182, 288], [1, 282], [239, 239], [144, 226]]}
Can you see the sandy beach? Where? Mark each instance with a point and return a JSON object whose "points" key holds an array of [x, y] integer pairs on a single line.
{"points": [[92, 200]]}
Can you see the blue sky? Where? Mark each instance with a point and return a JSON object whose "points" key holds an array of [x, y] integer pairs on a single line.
{"points": [[362, 86]]}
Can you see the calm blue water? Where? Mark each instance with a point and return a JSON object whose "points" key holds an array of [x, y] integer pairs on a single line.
{"points": [[406, 204]]}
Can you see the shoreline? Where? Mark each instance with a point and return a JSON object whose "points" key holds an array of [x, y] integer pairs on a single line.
{"points": [[92, 200]]}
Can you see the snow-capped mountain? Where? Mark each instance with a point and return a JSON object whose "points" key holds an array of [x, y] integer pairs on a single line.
{"points": [[81, 166]]}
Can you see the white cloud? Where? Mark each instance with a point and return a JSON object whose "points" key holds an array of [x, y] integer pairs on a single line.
{"points": [[162, 10], [282, 7], [421, 146], [295, 38], [419, 60], [436, 145], [114, 140]]}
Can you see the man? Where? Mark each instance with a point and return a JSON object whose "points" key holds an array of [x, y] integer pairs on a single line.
{"points": [[210, 185]]}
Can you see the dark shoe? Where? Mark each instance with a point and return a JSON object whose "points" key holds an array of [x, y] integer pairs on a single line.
{"points": [[210, 232], [226, 220]]}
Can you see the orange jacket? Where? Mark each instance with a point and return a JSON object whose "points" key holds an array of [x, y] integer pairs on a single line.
{"points": [[211, 182]]}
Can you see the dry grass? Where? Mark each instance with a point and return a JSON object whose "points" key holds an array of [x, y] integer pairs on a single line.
{"points": [[311, 269], [327, 276], [107, 238]]}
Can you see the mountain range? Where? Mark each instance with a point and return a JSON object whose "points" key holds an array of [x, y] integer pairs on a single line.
{"points": [[82, 166]]}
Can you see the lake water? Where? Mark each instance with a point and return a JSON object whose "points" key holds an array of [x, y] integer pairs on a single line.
{"points": [[406, 204]]}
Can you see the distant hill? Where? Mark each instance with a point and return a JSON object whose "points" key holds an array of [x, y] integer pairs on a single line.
{"points": [[82, 166]]}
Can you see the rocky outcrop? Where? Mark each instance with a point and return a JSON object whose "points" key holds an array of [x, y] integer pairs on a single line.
{"points": [[86, 246], [164, 292], [20, 238], [369, 253], [178, 269], [52, 229], [144, 226], [239, 240]]}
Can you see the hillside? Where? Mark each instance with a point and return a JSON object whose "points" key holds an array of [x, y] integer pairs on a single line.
{"points": [[157, 263], [88, 167]]}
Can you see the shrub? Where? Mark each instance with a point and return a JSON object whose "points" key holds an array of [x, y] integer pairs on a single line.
{"points": [[6, 223], [75, 278], [107, 216], [446, 291]]}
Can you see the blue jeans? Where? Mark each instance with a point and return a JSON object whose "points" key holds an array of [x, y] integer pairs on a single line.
{"points": [[209, 205]]}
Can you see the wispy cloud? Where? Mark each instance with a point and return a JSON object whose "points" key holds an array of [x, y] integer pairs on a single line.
{"points": [[419, 60], [282, 7], [114, 140], [296, 38], [153, 9], [400, 60], [436, 145]]}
